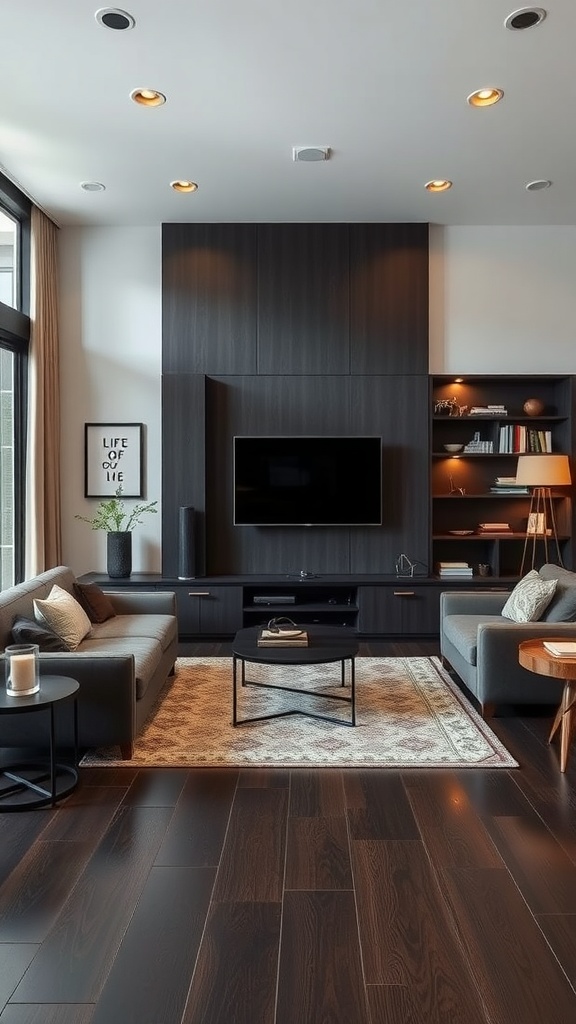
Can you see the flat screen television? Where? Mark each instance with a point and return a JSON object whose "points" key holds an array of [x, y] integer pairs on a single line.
{"points": [[307, 481]]}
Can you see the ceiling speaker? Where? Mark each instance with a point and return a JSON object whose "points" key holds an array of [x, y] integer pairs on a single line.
{"points": [[310, 154]]}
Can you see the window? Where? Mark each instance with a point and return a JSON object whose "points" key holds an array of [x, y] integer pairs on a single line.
{"points": [[14, 339]]}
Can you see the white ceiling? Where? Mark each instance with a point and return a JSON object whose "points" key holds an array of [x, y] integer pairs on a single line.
{"points": [[383, 84]]}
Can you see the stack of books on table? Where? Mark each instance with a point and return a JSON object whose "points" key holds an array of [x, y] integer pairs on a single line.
{"points": [[561, 648], [494, 527], [455, 570], [283, 638]]}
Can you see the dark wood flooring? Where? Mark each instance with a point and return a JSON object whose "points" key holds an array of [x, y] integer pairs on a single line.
{"points": [[298, 897]]}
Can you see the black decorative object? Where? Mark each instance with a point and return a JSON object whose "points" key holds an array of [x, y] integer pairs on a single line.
{"points": [[186, 544], [119, 553]]}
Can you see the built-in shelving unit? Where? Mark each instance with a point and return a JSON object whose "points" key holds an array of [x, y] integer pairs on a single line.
{"points": [[461, 481]]}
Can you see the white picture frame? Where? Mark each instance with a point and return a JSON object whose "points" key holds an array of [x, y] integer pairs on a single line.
{"points": [[536, 524], [113, 459]]}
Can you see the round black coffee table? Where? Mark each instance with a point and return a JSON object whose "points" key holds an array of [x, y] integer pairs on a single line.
{"points": [[27, 781], [326, 644]]}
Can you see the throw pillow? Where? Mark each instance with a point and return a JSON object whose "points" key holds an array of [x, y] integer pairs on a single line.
{"points": [[62, 613], [27, 631], [530, 597], [94, 601], [562, 608]]}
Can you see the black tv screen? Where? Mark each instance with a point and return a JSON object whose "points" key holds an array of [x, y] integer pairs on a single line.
{"points": [[307, 481]]}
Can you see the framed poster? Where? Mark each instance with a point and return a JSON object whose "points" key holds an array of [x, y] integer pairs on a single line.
{"points": [[113, 459]]}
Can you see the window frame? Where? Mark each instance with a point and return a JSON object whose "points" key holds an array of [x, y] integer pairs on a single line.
{"points": [[15, 337]]}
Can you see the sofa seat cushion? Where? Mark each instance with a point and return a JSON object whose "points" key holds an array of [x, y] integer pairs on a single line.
{"points": [[147, 655], [163, 628], [462, 632]]}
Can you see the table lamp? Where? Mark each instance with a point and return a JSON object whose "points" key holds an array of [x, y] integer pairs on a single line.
{"points": [[542, 473]]}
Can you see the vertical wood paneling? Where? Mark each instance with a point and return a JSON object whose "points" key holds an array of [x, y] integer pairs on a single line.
{"points": [[389, 298], [183, 463], [303, 299], [209, 298]]}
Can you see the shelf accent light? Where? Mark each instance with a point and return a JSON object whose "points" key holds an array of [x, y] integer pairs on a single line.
{"points": [[542, 473]]}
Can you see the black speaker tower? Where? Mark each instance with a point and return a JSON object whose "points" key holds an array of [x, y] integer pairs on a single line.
{"points": [[186, 544]]}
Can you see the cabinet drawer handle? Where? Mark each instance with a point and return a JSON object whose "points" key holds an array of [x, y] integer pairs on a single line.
{"points": [[198, 593], [404, 593]]}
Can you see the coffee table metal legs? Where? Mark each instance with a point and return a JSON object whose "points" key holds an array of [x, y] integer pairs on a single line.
{"points": [[566, 721], [294, 689]]}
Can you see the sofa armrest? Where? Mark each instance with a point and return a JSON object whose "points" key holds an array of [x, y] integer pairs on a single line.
{"points": [[156, 602], [472, 602], [107, 695], [501, 678]]}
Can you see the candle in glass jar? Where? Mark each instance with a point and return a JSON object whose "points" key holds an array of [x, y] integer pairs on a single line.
{"points": [[22, 672]]}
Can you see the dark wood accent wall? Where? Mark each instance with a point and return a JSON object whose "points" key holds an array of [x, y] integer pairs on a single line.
{"points": [[294, 329]]}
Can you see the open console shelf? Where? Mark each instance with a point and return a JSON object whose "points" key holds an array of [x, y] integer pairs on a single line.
{"points": [[334, 605]]}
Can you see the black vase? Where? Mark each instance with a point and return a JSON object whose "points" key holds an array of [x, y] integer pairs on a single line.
{"points": [[119, 553]]}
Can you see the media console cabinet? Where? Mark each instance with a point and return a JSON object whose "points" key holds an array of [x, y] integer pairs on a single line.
{"points": [[376, 606]]}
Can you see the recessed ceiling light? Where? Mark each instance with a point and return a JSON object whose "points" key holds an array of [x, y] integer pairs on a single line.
{"points": [[184, 186], [538, 185], [525, 17], [148, 97], [92, 186], [113, 17], [485, 97], [438, 185]]}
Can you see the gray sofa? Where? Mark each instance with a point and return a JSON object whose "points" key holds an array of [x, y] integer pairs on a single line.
{"points": [[482, 646], [121, 665]]}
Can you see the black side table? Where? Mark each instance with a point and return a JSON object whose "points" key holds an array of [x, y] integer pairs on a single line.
{"points": [[26, 786]]}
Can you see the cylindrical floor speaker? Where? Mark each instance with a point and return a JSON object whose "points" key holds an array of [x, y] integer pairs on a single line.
{"points": [[186, 544]]}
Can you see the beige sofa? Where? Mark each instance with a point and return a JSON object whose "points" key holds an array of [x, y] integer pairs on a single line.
{"points": [[121, 665]]}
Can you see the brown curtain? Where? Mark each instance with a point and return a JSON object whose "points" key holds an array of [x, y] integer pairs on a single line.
{"points": [[43, 519]]}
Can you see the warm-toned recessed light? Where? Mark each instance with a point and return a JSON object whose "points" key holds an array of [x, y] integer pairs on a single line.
{"points": [[184, 186], [438, 185], [458, 380], [148, 97], [485, 97], [92, 186], [538, 185], [525, 17]]}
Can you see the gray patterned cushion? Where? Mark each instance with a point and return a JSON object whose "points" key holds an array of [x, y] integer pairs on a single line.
{"points": [[530, 598]]}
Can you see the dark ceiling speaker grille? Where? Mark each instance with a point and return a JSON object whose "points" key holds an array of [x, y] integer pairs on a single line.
{"points": [[526, 17], [113, 17]]}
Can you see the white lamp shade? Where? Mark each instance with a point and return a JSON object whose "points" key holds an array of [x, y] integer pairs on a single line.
{"points": [[543, 471]]}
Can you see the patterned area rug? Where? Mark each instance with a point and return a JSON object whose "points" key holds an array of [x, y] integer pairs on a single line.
{"points": [[409, 714]]}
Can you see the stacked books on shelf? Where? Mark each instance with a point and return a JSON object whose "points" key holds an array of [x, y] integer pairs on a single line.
{"points": [[508, 485], [281, 637], [489, 528], [478, 447], [488, 410], [516, 437], [561, 648], [454, 570]]}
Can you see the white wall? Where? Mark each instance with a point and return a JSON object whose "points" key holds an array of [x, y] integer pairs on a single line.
{"points": [[502, 300], [110, 337]]}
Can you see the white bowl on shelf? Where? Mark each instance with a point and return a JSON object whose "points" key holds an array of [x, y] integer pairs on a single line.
{"points": [[453, 448]]}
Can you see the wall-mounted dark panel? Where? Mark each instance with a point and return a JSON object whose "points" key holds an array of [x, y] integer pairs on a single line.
{"points": [[209, 282], [303, 300], [396, 407], [183, 464], [270, 406], [389, 298]]}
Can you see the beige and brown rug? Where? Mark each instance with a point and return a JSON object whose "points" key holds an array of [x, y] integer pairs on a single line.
{"points": [[409, 714]]}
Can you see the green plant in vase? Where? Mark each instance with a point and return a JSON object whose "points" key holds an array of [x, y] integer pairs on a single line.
{"points": [[118, 521]]}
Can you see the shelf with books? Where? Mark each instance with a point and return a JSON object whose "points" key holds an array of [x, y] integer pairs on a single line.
{"points": [[482, 472]]}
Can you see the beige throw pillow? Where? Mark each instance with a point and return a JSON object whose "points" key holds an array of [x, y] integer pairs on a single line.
{"points": [[530, 598], [62, 613]]}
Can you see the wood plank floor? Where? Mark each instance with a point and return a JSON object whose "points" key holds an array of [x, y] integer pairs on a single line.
{"points": [[211, 896]]}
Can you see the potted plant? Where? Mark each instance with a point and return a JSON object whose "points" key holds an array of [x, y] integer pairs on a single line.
{"points": [[112, 516]]}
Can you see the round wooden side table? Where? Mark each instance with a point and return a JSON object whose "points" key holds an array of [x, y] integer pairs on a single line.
{"points": [[533, 655]]}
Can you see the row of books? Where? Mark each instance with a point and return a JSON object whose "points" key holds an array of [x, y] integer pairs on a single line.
{"points": [[516, 437]]}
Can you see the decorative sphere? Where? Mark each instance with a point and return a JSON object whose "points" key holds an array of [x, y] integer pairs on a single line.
{"points": [[533, 407]]}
